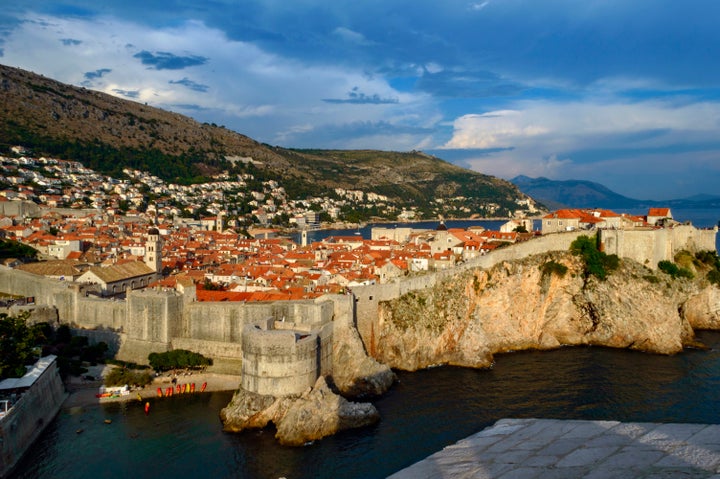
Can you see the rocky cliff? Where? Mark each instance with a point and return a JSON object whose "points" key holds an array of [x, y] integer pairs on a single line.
{"points": [[518, 305], [317, 413]]}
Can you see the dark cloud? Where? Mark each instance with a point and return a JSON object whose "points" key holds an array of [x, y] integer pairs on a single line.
{"points": [[337, 135], [97, 73], [190, 84], [169, 61], [357, 97], [189, 107], [70, 41], [128, 93]]}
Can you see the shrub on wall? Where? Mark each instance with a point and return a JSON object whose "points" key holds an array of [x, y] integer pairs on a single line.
{"points": [[596, 263]]}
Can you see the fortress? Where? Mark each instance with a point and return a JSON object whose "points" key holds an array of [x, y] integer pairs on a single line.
{"points": [[282, 347]]}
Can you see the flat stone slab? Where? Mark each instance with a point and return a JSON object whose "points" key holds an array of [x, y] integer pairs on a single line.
{"points": [[549, 448]]}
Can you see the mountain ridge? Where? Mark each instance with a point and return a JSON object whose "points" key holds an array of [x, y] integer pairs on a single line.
{"points": [[109, 134], [556, 194]]}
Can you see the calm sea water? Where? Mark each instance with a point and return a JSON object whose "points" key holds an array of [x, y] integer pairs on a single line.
{"points": [[182, 436], [425, 411]]}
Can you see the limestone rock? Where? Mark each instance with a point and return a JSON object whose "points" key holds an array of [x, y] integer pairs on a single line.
{"points": [[470, 316], [355, 374], [317, 413], [703, 309], [248, 410]]}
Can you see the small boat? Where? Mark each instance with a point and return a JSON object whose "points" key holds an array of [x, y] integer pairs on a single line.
{"points": [[147, 408], [192, 387], [159, 392], [202, 388]]}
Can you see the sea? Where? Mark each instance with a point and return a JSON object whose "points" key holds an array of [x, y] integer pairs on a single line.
{"points": [[182, 436]]}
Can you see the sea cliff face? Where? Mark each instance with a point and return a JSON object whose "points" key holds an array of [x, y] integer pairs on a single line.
{"points": [[466, 319]]}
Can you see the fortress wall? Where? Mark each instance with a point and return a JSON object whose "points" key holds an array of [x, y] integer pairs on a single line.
{"points": [[692, 239], [150, 313], [650, 246], [19, 208], [27, 284], [227, 357], [222, 322], [212, 321], [29, 417], [279, 362], [96, 313], [137, 351], [325, 338]]}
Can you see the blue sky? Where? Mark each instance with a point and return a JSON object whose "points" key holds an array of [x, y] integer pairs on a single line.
{"points": [[625, 93]]}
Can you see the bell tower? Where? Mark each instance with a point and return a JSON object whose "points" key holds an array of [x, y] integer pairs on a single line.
{"points": [[153, 250]]}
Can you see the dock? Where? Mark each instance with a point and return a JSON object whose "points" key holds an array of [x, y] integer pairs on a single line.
{"points": [[550, 448]]}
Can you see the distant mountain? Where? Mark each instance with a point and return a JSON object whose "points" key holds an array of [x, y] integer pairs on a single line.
{"points": [[108, 134], [587, 194]]}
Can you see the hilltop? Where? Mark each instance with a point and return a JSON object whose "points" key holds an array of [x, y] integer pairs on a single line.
{"points": [[109, 134]]}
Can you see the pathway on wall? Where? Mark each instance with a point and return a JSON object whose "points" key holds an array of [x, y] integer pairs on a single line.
{"points": [[540, 448]]}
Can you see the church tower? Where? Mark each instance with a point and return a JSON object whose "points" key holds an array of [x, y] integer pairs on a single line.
{"points": [[153, 250]]}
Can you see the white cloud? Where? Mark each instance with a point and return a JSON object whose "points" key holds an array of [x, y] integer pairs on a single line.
{"points": [[640, 140], [247, 89], [351, 36], [574, 125]]}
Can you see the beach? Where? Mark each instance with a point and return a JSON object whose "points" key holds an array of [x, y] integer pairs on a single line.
{"points": [[82, 392]]}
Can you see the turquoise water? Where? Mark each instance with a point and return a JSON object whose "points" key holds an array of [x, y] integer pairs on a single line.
{"points": [[182, 436]]}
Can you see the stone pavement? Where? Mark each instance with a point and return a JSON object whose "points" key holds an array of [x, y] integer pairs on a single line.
{"points": [[548, 448]]}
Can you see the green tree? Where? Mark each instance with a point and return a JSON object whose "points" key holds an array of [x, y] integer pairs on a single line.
{"points": [[178, 359], [18, 344]]}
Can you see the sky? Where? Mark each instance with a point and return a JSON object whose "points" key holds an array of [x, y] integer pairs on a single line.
{"points": [[622, 92]]}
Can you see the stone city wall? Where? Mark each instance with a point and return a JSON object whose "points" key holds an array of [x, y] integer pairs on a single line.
{"points": [[650, 246], [35, 409]]}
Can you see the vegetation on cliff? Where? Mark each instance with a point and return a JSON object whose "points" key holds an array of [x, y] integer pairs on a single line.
{"points": [[596, 263]]}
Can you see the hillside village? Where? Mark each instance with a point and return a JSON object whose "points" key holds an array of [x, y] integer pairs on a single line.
{"points": [[119, 249]]}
